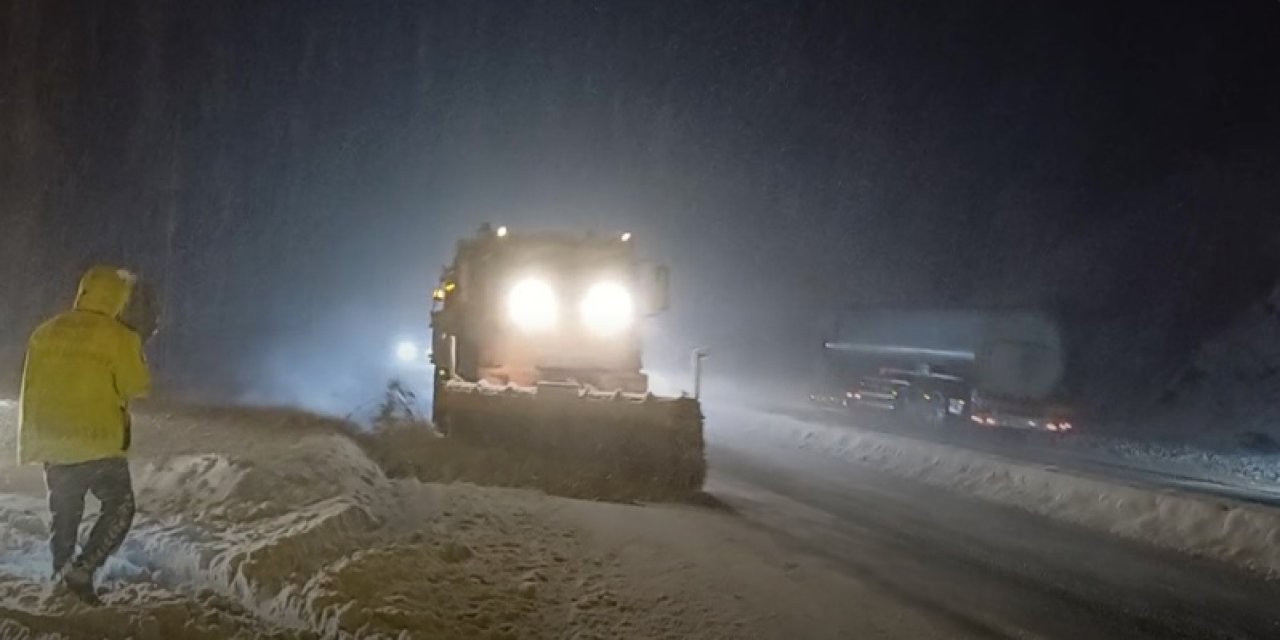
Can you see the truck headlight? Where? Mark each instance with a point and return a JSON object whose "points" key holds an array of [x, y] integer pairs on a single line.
{"points": [[406, 351], [531, 305], [607, 309]]}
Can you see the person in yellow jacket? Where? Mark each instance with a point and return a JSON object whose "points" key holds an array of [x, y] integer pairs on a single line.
{"points": [[83, 367]]}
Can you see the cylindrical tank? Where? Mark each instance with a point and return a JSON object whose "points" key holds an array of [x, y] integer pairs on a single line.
{"points": [[1014, 354]]}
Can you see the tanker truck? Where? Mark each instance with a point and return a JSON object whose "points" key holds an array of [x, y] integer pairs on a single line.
{"points": [[992, 368]]}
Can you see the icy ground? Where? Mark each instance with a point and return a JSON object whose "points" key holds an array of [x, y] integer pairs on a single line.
{"points": [[1221, 462], [276, 525], [1203, 464], [1102, 498]]}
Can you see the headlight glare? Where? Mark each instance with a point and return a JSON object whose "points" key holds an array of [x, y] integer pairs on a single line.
{"points": [[531, 305], [406, 351], [607, 308]]}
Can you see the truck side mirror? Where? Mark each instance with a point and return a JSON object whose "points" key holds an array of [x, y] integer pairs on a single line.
{"points": [[659, 289]]}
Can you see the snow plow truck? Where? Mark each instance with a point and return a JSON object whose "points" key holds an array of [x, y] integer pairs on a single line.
{"points": [[537, 368]]}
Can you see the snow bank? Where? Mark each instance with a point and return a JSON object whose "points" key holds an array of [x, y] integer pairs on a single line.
{"points": [[273, 524], [1243, 535], [304, 537], [1236, 467]]}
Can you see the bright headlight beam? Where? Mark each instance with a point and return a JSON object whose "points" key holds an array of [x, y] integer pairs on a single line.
{"points": [[607, 308], [532, 306], [406, 351]]}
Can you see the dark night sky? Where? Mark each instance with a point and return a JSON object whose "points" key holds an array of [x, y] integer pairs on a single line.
{"points": [[294, 173]]}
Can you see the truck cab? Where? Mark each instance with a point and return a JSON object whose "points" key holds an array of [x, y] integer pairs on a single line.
{"points": [[524, 308]]}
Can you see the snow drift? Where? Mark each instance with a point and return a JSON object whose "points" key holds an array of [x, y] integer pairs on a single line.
{"points": [[270, 524], [1240, 534], [262, 523]]}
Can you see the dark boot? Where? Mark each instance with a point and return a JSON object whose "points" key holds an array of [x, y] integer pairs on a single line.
{"points": [[79, 582]]}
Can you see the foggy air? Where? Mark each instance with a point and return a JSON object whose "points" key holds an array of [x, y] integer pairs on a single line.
{"points": [[611, 319]]}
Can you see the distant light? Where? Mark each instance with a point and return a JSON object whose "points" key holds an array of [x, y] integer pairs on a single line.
{"points": [[502, 231], [626, 236], [407, 351]]}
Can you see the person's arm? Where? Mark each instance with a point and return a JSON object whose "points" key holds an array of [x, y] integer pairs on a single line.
{"points": [[133, 376]]}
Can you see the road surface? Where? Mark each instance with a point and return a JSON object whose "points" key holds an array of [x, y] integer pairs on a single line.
{"points": [[982, 569], [1043, 449]]}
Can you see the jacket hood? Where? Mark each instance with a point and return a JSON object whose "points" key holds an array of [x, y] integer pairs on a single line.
{"points": [[105, 290]]}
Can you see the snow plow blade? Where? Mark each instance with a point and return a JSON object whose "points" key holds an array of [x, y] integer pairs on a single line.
{"points": [[563, 440]]}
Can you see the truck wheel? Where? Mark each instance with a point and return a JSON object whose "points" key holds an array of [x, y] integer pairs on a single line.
{"points": [[902, 403], [935, 410]]}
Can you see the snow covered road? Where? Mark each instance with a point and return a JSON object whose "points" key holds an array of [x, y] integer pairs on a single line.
{"points": [[1243, 477], [984, 569]]}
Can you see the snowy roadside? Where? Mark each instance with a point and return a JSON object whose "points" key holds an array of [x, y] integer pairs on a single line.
{"points": [[272, 524], [1240, 534], [1241, 468], [1244, 476]]}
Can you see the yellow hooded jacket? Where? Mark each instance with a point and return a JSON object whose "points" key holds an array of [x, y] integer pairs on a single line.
{"points": [[82, 368]]}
